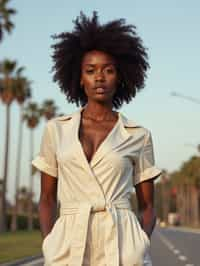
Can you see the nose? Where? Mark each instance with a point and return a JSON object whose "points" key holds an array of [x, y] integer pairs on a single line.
{"points": [[100, 76]]}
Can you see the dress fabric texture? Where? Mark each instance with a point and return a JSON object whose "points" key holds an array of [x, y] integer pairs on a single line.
{"points": [[96, 224]]}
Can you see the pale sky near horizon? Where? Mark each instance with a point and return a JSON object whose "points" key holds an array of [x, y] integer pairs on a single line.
{"points": [[170, 31]]}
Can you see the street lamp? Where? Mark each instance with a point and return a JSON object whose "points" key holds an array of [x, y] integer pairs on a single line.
{"points": [[192, 99]]}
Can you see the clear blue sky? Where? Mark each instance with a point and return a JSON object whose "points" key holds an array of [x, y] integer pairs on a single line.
{"points": [[170, 30]]}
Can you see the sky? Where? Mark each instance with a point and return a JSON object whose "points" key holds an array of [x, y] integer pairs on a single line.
{"points": [[170, 31]]}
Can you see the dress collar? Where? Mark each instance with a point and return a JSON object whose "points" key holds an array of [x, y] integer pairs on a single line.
{"points": [[126, 122]]}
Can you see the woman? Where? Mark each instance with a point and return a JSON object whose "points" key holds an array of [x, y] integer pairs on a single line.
{"points": [[91, 160]]}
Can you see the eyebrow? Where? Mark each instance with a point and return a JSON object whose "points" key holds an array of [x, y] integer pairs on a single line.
{"points": [[107, 64]]}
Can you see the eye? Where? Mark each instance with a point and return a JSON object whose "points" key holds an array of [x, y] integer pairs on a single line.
{"points": [[110, 70], [89, 71]]}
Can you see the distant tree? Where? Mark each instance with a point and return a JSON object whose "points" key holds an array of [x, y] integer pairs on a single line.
{"points": [[7, 96], [198, 147], [49, 109], [32, 115], [189, 172], [187, 182], [1, 190], [23, 200], [6, 24], [22, 93]]}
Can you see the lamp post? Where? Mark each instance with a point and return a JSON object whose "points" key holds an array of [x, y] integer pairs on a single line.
{"points": [[189, 98], [194, 206]]}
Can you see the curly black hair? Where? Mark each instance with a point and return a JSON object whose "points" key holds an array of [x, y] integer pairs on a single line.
{"points": [[114, 38]]}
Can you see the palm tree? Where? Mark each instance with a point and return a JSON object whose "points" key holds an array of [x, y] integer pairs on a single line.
{"points": [[32, 114], [7, 95], [23, 200], [187, 181], [165, 188], [5, 22], [23, 92], [49, 109]]}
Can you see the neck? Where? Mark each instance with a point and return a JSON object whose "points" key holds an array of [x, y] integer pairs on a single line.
{"points": [[98, 111]]}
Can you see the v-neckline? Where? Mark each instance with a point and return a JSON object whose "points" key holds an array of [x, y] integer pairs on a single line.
{"points": [[103, 141]]}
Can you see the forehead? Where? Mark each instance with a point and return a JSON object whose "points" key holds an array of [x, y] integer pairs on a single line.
{"points": [[96, 57]]}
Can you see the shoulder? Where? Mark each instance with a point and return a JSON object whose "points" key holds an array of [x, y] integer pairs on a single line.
{"points": [[139, 132], [133, 126], [59, 119], [53, 124]]}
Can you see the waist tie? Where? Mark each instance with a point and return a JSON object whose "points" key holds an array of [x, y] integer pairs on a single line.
{"points": [[80, 231]]}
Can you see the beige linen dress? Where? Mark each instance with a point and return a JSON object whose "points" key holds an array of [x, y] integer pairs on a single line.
{"points": [[96, 225]]}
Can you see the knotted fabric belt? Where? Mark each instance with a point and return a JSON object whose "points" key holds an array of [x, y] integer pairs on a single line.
{"points": [[79, 238]]}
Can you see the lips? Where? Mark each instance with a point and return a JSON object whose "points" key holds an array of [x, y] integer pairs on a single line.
{"points": [[100, 89], [100, 86]]}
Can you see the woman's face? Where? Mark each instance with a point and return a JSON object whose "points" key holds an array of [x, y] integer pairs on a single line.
{"points": [[99, 76]]}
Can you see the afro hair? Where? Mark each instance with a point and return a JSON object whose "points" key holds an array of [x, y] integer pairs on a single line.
{"points": [[115, 38]]}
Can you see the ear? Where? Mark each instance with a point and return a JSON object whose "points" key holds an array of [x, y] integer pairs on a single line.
{"points": [[119, 81], [81, 82], [119, 78]]}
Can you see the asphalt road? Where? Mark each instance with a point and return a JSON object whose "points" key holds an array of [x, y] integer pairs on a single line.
{"points": [[169, 247], [175, 247]]}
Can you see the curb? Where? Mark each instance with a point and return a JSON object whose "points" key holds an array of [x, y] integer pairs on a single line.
{"points": [[22, 261], [184, 229]]}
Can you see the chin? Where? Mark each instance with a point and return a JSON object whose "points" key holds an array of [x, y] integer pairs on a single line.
{"points": [[102, 99]]}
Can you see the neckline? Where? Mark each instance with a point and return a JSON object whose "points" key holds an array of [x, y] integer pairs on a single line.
{"points": [[103, 141]]}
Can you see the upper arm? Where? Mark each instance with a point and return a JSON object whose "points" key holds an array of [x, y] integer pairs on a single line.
{"points": [[144, 164], [46, 160]]}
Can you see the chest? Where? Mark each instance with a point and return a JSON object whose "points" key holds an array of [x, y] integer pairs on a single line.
{"points": [[92, 135]]}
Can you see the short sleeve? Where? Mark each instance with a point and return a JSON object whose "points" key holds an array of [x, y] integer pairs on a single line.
{"points": [[46, 161], [145, 163]]}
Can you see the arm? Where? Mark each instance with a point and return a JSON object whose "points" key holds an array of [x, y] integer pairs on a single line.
{"points": [[47, 203], [145, 197], [145, 174]]}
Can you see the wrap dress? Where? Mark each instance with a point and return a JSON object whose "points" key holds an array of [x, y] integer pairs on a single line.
{"points": [[96, 225]]}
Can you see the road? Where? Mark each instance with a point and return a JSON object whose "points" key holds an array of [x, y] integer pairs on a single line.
{"points": [[175, 247], [169, 247]]}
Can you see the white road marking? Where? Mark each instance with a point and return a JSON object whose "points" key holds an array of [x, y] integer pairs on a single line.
{"points": [[176, 251], [172, 248], [183, 258]]}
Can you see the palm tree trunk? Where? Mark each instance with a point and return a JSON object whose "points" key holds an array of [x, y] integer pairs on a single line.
{"points": [[180, 203], [17, 177], [3, 225], [188, 203], [165, 201], [30, 207]]}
